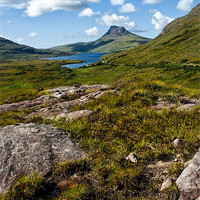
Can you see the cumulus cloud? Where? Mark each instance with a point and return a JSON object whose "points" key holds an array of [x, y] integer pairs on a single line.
{"points": [[92, 31], [88, 12], [36, 8], [114, 19], [185, 5], [160, 21], [151, 1], [117, 2], [20, 39], [129, 7], [33, 34]]}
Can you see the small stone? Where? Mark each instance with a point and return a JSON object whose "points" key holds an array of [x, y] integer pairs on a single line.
{"points": [[132, 158], [62, 115], [166, 184], [177, 143]]}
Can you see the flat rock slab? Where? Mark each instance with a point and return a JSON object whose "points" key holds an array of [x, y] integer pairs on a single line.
{"points": [[189, 181], [78, 114], [27, 148]]}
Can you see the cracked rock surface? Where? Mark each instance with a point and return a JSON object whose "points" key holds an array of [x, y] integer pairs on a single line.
{"points": [[27, 148]]}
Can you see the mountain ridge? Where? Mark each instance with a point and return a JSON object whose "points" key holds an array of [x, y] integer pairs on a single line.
{"points": [[10, 49], [178, 41], [114, 40]]}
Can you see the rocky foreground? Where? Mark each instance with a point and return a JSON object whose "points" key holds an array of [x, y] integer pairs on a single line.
{"points": [[27, 148]]}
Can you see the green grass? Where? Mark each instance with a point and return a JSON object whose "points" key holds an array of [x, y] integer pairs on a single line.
{"points": [[122, 122], [21, 80]]}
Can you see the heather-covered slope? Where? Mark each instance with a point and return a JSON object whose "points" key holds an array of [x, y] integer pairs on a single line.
{"points": [[179, 40]]}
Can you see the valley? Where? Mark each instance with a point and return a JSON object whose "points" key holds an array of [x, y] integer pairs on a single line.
{"points": [[125, 127]]}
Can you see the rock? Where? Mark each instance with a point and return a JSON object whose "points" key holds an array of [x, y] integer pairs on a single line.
{"points": [[188, 181], [78, 114], [62, 115], [132, 158], [186, 107], [55, 95], [177, 143], [27, 148], [64, 107], [166, 184]]}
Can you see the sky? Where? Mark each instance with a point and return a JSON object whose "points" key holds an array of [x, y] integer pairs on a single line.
{"points": [[49, 23]]}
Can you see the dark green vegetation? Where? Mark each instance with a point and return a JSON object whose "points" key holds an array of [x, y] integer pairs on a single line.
{"points": [[116, 39], [9, 49], [180, 40]]}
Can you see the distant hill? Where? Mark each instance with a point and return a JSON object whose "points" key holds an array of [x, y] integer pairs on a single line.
{"points": [[10, 49], [116, 39], [178, 42]]}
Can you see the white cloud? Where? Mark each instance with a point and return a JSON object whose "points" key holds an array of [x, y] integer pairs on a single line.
{"points": [[160, 21], [88, 12], [114, 19], [94, 1], [36, 8], [39, 7], [20, 39], [9, 21], [92, 31], [151, 1], [117, 2], [18, 4], [185, 5], [129, 7], [33, 34], [1, 35], [153, 11]]}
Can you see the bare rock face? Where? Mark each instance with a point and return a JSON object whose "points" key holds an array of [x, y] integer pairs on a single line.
{"points": [[78, 114], [27, 148], [189, 181]]}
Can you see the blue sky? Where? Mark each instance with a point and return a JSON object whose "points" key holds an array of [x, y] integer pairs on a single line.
{"points": [[47, 23]]}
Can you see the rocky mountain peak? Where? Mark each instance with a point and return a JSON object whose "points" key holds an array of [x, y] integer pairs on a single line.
{"points": [[116, 31]]}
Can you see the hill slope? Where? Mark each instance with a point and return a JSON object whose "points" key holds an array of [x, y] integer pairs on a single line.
{"points": [[116, 39], [179, 40], [10, 49]]}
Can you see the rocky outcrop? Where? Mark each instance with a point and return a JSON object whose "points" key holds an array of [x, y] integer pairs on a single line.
{"points": [[182, 103], [52, 111], [27, 148], [189, 181], [55, 96]]}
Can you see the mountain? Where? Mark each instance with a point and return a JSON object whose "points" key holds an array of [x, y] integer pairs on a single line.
{"points": [[178, 42], [116, 39], [10, 49]]}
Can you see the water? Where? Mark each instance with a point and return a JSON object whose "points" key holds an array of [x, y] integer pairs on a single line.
{"points": [[89, 58]]}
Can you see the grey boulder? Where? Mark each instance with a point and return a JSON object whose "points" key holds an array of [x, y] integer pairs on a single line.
{"points": [[27, 148]]}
